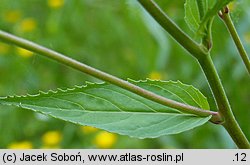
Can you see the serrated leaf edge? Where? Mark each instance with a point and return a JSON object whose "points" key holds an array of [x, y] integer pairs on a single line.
{"points": [[91, 84]]}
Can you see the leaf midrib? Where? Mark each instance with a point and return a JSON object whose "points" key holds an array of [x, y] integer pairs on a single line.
{"points": [[91, 111]]}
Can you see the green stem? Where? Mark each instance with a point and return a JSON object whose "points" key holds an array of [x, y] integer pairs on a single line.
{"points": [[230, 123], [207, 65], [6, 37], [230, 26], [181, 37]]}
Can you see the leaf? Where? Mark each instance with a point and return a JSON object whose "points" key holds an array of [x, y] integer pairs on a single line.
{"points": [[212, 12], [193, 13], [114, 109], [199, 15]]}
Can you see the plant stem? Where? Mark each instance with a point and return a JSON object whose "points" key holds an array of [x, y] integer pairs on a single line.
{"points": [[230, 26], [230, 123], [207, 65], [6, 37], [181, 37]]}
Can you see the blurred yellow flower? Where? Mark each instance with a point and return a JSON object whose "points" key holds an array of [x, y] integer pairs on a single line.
{"points": [[12, 16], [247, 37], [55, 4], [232, 6], [21, 145], [105, 139], [23, 52], [4, 48], [155, 75], [28, 25], [52, 138], [88, 129]]}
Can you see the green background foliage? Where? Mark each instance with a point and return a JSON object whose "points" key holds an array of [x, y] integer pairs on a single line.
{"points": [[117, 37]]}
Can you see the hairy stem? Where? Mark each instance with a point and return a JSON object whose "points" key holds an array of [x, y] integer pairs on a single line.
{"points": [[230, 123], [182, 38], [230, 26], [6, 37], [207, 65]]}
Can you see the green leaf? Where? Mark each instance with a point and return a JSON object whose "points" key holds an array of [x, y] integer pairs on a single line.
{"points": [[212, 12], [194, 11], [114, 109], [199, 15], [199, 12]]}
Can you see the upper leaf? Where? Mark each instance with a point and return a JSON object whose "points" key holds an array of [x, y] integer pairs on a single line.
{"points": [[117, 110], [199, 16], [194, 13], [214, 10], [219, 4]]}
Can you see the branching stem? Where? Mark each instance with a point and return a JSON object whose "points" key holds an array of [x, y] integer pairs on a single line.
{"points": [[181, 37], [230, 123], [208, 67], [184, 40]]}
